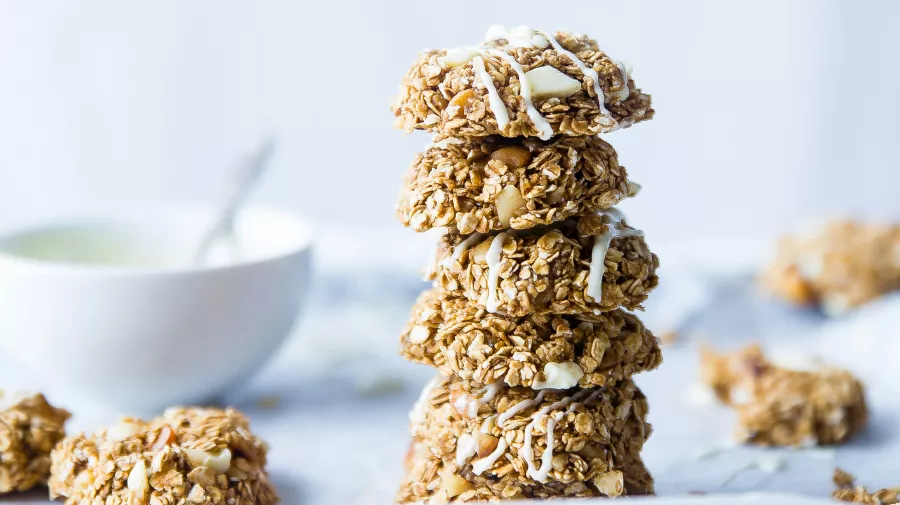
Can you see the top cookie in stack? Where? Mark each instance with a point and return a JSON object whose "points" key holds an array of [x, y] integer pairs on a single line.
{"points": [[573, 88]]}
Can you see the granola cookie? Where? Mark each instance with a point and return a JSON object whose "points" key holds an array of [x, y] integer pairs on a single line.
{"points": [[844, 265], [848, 491], [189, 455], [538, 351], [483, 184], [29, 428], [520, 83], [777, 406], [502, 442], [587, 264]]}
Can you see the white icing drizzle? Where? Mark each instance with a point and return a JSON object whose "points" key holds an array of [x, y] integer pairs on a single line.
{"points": [[463, 247], [417, 414], [522, 405], [479, 466], [466, 447], [540, 473], [540, 122], [601, 247], [487, 394], [601, 97], [496, 103], [624, 92], [492, 258]]}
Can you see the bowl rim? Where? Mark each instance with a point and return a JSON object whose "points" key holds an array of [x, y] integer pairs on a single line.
{"points": [[306, 239]]}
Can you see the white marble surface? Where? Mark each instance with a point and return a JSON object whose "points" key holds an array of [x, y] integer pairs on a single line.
{"points": [[339, 430]]}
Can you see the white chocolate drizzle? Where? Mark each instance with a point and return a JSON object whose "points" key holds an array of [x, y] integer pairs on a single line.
{"points": [[417, 414], [539, 121], [624, 92], [462, 247], [540, 473], [496, 103], [601, 247], [466, 447], [522, 405], [487, 394], [492, 258], [587, 71], [479, 466]]}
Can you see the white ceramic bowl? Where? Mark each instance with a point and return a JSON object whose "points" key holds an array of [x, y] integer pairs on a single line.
{"points": [[137, 327]]}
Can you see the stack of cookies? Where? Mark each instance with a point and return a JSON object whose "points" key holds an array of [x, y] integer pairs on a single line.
{"points": [[534, 275]]}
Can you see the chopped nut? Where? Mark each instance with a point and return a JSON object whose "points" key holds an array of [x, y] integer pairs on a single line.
{"points": [[512, 156], [560, 376], [219, 462], [137, 478], [549, 82], [461, 100], [611, 484], [166, 437], [454, 485], [486, 444], [122, 430], [509, 204]]}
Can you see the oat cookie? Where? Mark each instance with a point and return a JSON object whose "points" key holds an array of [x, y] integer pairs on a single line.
{"points": [[187, 456], [778, 406], [29, 428], [483, 184], [575, 266], [502, 442], [848, 491], [540, 351], [843, 266], [520, 83]]}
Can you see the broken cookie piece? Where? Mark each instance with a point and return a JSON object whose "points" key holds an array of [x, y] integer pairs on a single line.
{"points": [[189, 455], [848, 491], [29, 428], [777, 406]]}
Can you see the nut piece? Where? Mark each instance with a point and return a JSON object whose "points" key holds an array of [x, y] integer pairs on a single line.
{"points": [[548, 82], [611, 484], [560, 376], [166, 437], [458, 56], [509, 204], [454, 485], [122, 430], [219, 463], [512, 156], [459, 102], [486, 444], [137, 479]]}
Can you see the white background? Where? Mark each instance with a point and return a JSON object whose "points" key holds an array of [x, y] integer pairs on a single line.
{"points": [[769, 112]]}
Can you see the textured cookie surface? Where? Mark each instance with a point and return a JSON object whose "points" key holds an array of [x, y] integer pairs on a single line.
{"points": [[502, 442], [484, 184], [520, 83], [29, 428], [786, 407], [187, 456], [548, 269], [539, 351]]}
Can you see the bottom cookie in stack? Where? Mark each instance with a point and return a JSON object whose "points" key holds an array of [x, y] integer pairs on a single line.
{"points": [[485, 443]]}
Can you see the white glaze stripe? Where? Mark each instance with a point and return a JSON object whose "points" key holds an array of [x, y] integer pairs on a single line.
{"points": [[488, 394], [540, 474], [496, 103], [540, 122], [601, 97], [479, 466], [624, 92], [522, 405], [463, 247], [492, 258], [601, 247]]}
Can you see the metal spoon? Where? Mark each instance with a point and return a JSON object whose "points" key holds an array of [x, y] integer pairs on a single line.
{"points": [[246, 176]]}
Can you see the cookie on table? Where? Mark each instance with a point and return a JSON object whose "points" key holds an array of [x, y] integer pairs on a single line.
{"points": [[484, 184], [518, 83], [842, 266], [189, 455], [537, 351], [777, 406], [592, 263], [476, 442], [29, 428]]}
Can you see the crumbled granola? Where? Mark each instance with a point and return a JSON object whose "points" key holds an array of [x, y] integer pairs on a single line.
{"points": [[443, 94], [546, 269], [849, 492], [482, 184], [461, 338], [782, 407], [29, 428], [193, 455], [474, 445], [844, 265]]}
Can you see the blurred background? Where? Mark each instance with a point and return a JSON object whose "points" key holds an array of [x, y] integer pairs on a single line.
{"points": [[768, 112]]}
